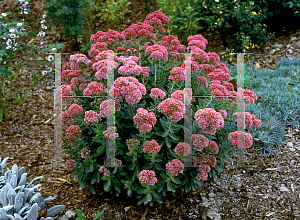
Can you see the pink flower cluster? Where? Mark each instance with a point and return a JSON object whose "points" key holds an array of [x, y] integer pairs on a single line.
{"points": [[173, 44], [96, 48], [148, 177], [84, 152], [203, 172], [205, 158], [199, 141], [72, 132], [94, 88], [110, 132], [155, 93], [91, 117], [151, 147], [175, 167], [102, 68], [78, 58], [209, 120], [116, 162], [183, 149], [250, 119], [197, 40], [69, 115], [235, 141], [75, 81], [199, 54], [131, 67], [107, 108], [128, 87], [157, 52], [69, 74], [213, 147], [182, 95], [106, 171], [66, 90], [142, 29], [109, 37], [145, 121], [219, 90], [223, 113], [159, 15], [132, 143], [69, 165], [172, 108], [177, 74], [202, 81]]}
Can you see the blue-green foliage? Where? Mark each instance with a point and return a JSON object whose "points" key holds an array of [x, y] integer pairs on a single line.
{"points": [[278, 102], [18, 202]]}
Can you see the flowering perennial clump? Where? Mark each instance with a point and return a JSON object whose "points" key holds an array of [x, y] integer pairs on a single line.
{"points": [[148, 119]]}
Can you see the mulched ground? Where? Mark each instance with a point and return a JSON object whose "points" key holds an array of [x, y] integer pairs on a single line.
{"points": [[27, 136]]}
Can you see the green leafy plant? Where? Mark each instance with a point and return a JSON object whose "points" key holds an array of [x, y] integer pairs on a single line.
{"points": [[69, 14], [295, 4], [81, 216], [10, 33], [148, 175]]}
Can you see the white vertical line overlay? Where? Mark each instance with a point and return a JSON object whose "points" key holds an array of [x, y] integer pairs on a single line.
{"points": [[241, 109], [57, 151], [187, 114]]}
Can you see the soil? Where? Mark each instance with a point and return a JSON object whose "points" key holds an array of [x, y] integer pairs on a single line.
{"points": [[268, 190]]}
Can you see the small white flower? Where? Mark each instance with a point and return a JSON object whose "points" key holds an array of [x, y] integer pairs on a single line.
{"points": [[54, 49], [220, 12], [43, 21], [252, 3], [44, 26], [44, 72], [42, 43], [205, 6], [16, 44], [21, 1], [296, 12], [42, 34], [234, 1], [216, 23], [9, 42], [12, 30], [8, 47], [25, 12], [217, 0], [50, 58], [12, 36], [4, 62], [19, 24], [49, 69], [3, 14], [44, 16]]}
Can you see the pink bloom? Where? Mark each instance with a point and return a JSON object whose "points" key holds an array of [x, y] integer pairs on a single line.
{"points": [[213, 147], [74, 109], [107, 108], [148, 177], [72, 132], [202, 81], [232, 136], [172, 108], [203, 172], [151, 147], [94, 88], [84, 153], [116, 162], [209, 120], [69, 165], [110, 132], [250, 119], [145, 121], [206, 68], [66, 90], [155, 93], [181, 96], [175, 167], [223, 113], [177, 74], [199, 141], [106, 171], [183, 149], [91, 116]]}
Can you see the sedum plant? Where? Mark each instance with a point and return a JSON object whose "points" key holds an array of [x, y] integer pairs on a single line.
{"points": [[149, 94], [18, 202]]}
